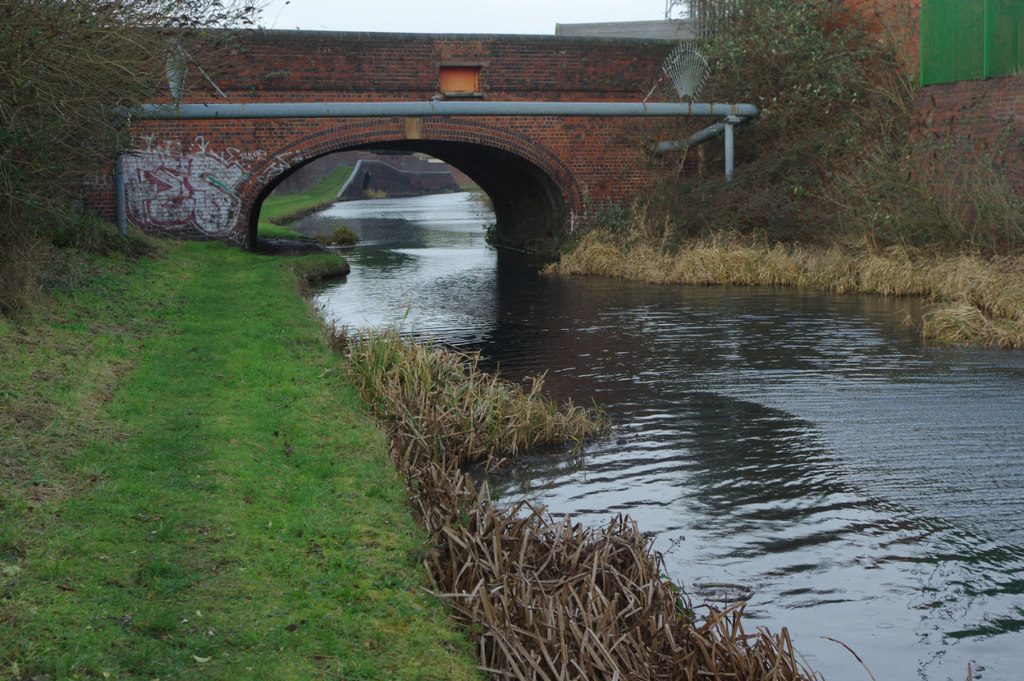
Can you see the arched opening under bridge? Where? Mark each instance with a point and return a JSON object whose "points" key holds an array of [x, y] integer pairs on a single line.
{"points": [[533, 194]]}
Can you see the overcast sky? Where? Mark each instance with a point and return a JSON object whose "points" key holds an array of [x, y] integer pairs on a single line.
{"points": [[453, 16]]}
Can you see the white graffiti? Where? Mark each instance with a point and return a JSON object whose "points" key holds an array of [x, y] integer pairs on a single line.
{"points": [[281, 163], [169, 188], [255, 155]]}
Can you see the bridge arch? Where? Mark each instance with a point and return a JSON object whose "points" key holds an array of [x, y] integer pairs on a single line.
{"points": [[533, 192]]}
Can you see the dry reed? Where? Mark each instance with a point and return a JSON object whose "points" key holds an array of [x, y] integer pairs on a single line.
{"points": [[546, 599], [975, 300], [444, 398]]}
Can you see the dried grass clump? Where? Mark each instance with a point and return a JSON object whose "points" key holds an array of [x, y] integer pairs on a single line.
{"points": [[341, 236], [966, 324], [546, 599], [595, 254], [994, 285], [718, 260]]}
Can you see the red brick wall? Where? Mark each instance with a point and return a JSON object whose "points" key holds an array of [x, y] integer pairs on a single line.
{"points": [[201, 179], [980, 115], [310, 65], [897, 21]]}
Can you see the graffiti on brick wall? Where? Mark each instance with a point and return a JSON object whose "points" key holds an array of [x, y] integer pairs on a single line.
{"points": [[169, 187]]}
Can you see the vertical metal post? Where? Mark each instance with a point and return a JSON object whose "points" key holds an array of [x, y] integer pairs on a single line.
{"points": [[729, 145], [119, 198], [986, 41]]}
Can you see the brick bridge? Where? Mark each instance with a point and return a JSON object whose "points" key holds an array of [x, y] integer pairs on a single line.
{"points": [[207, 178]]}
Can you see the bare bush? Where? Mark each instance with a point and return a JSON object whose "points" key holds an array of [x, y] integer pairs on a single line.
{"points": [[65, 65], [945, 195], [824, 86]]}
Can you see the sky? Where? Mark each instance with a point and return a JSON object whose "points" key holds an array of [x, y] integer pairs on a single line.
{"points": [[453, 16]]}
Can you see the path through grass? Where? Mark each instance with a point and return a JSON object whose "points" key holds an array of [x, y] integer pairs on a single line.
{"points": [[190, 489]]}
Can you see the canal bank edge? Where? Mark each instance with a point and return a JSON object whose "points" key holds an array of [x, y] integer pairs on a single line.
{"points": [[973, 300], [198, 491]]}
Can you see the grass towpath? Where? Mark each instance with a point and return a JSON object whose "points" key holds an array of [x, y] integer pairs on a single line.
{"points": [[279, 210], [191, 489]]}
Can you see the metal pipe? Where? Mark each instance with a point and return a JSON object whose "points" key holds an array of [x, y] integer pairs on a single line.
{"points": [[435, 108], [119, 197], [699, 137], [724, 127], [733, 114], [729, 147]]}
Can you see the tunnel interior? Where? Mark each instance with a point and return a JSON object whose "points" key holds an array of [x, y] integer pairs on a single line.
{"points": [[529, 206]]}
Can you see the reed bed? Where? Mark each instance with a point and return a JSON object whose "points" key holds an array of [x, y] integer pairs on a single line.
{"points": [[442, 397], [546, 599], [974, 300]]}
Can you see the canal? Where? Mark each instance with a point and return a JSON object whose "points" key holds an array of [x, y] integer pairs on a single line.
{"points": [[804, 449]]}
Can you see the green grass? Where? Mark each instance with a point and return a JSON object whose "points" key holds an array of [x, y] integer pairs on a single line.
{"points": [[190, 488], [268, 230], [277, 211]]}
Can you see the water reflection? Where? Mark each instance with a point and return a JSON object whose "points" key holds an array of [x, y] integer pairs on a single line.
{"points": [[805, 445], [422, 259]]}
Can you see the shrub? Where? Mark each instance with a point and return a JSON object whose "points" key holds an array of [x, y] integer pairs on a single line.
{"points": [[830, 160], [824, 88], [944, 195], [804, 64], [65, 66], [341, 236]]}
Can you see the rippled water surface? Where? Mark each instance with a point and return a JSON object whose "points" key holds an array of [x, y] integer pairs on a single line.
{"points": [[804, 446]]}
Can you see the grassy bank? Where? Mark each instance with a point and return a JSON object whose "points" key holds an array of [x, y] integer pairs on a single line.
{"points": [[277, 211], [974, 299], [190, 488]]}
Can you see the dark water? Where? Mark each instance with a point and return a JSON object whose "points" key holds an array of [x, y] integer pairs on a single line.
{"points": [[804, 446]]}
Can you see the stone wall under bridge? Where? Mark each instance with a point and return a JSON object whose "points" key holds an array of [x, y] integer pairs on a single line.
{"points": [[206, 178]]}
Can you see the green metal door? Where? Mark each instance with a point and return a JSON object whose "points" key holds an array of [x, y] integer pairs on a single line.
{"points": [[1006, 22], [970, 39]]}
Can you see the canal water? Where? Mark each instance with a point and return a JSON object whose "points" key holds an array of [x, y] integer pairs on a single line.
{"points": [[802, 448]]}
